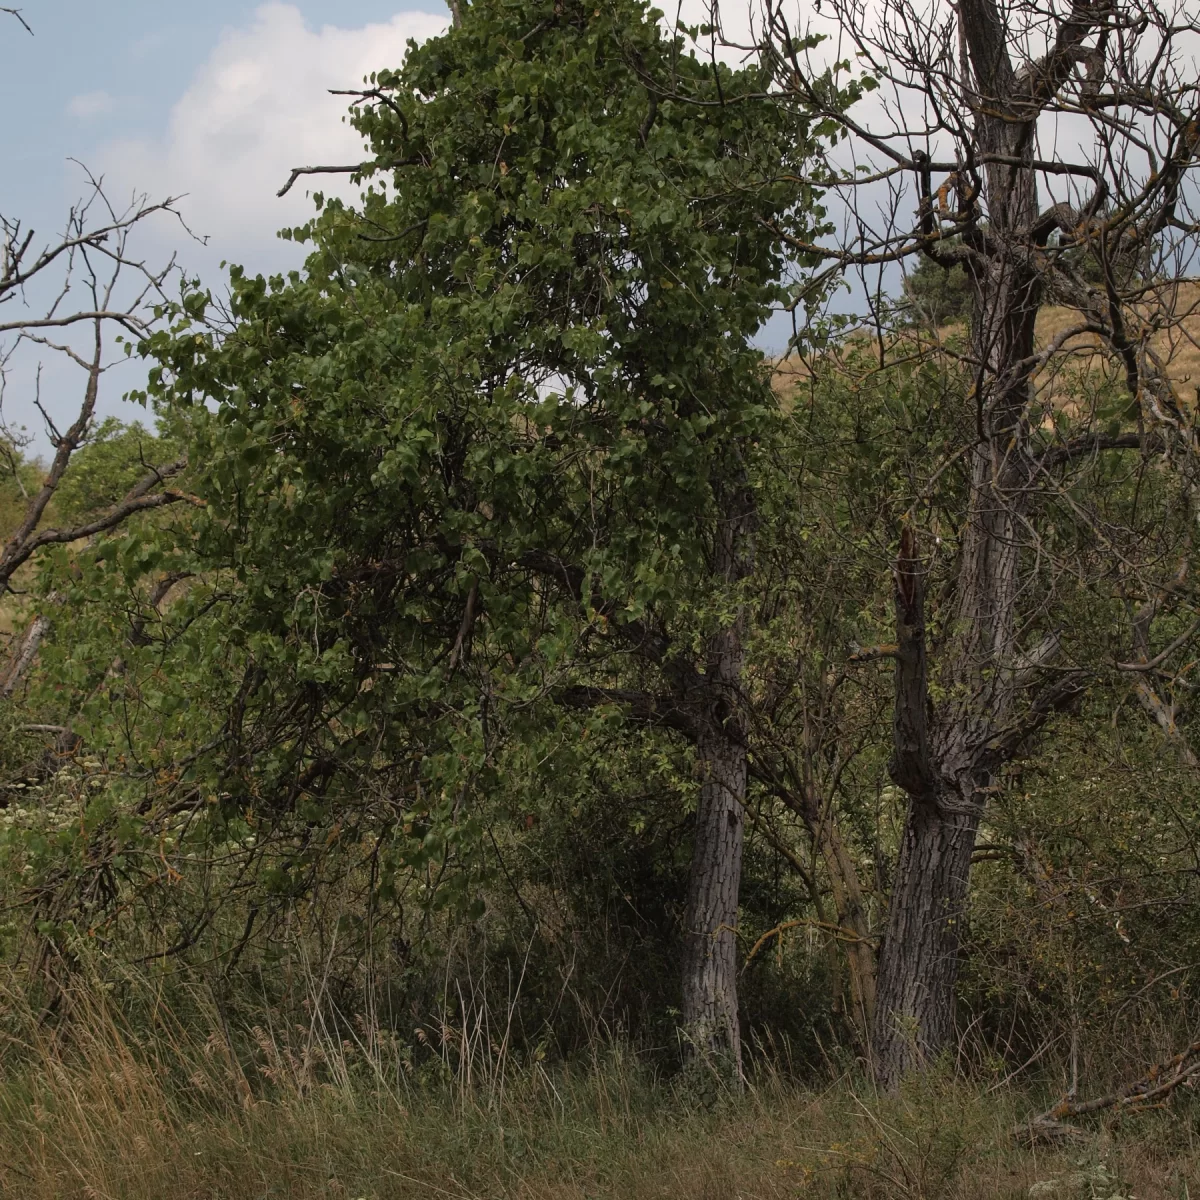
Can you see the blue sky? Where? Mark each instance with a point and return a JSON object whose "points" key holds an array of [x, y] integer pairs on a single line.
{"points": [[133, 59], [213, 102]]}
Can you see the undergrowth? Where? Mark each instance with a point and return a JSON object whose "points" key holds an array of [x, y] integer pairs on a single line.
{"points": [[96, 1105]]}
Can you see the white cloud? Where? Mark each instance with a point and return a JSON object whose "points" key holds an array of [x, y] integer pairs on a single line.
{"points": [[147, 44], [258, 107], [90, 104]]}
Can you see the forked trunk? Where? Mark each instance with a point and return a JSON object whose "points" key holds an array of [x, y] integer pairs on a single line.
{"points": [[946, 761]]}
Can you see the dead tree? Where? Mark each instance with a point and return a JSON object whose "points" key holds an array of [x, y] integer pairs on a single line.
{"points": [[93, 259], [1049, 149]]}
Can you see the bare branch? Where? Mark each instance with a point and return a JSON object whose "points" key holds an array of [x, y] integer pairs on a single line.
{"points": [[16, 12], [353, 169], [131, 322]]}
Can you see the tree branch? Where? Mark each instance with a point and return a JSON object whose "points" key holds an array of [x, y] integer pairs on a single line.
{"points": [[911, 767], [1053, 698], [641, 706], [350, 169], [298, 171], [1039, 81], [114, 517], [16, 12]]}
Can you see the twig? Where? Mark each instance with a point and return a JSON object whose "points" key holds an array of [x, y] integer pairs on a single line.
{"points": [[16, 12]]}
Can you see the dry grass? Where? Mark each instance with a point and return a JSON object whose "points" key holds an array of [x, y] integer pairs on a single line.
{"points": [[95, 1111], [1177, 347]]}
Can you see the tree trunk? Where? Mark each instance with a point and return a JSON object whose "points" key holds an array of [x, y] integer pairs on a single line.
{"points": [[947, 761], [918, 965], [710, 1005], [709, 992]]}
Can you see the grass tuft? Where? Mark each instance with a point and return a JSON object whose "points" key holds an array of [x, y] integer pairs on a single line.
{"points": [[96, 1109]]}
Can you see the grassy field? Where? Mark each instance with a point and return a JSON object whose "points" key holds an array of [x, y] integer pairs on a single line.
{"points": [[91, 1110]]}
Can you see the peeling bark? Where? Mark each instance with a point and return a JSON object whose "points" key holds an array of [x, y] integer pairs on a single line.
{"points": [[25, 655]]}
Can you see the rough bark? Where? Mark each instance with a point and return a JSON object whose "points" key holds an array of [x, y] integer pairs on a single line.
{"points": [[710, 1005], [919, 957], [918, 964], [947, 765], [709, 985], [947, 762]]}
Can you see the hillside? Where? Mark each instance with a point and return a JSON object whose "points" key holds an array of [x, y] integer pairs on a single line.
{"points": [[1177, 346]]}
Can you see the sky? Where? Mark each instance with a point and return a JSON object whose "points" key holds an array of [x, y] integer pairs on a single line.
{"points": [[171, 95], [211, 102]]}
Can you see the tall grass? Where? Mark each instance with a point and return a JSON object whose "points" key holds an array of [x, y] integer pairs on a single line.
{"points": [[99, 1105]]}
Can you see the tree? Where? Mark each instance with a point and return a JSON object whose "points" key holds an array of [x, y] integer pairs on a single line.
{"points": [[937, 293], [492, 451], [1001, 195], [95, 253]]}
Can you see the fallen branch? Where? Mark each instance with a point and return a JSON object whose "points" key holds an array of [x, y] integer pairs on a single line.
{"points": [[1155, 1086]]}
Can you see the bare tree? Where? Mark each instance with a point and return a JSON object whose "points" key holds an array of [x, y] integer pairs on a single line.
{"points": [[1048, 148], [39, 283]]}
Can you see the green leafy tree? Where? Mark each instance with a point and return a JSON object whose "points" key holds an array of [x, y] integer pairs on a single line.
{"points": [[937, 294], [490, 455]]}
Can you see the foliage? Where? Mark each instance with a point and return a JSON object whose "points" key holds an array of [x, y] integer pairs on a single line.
{"points": [[481, 432], [348, 758], [18, 477], [114, 458], [937, 295]]}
